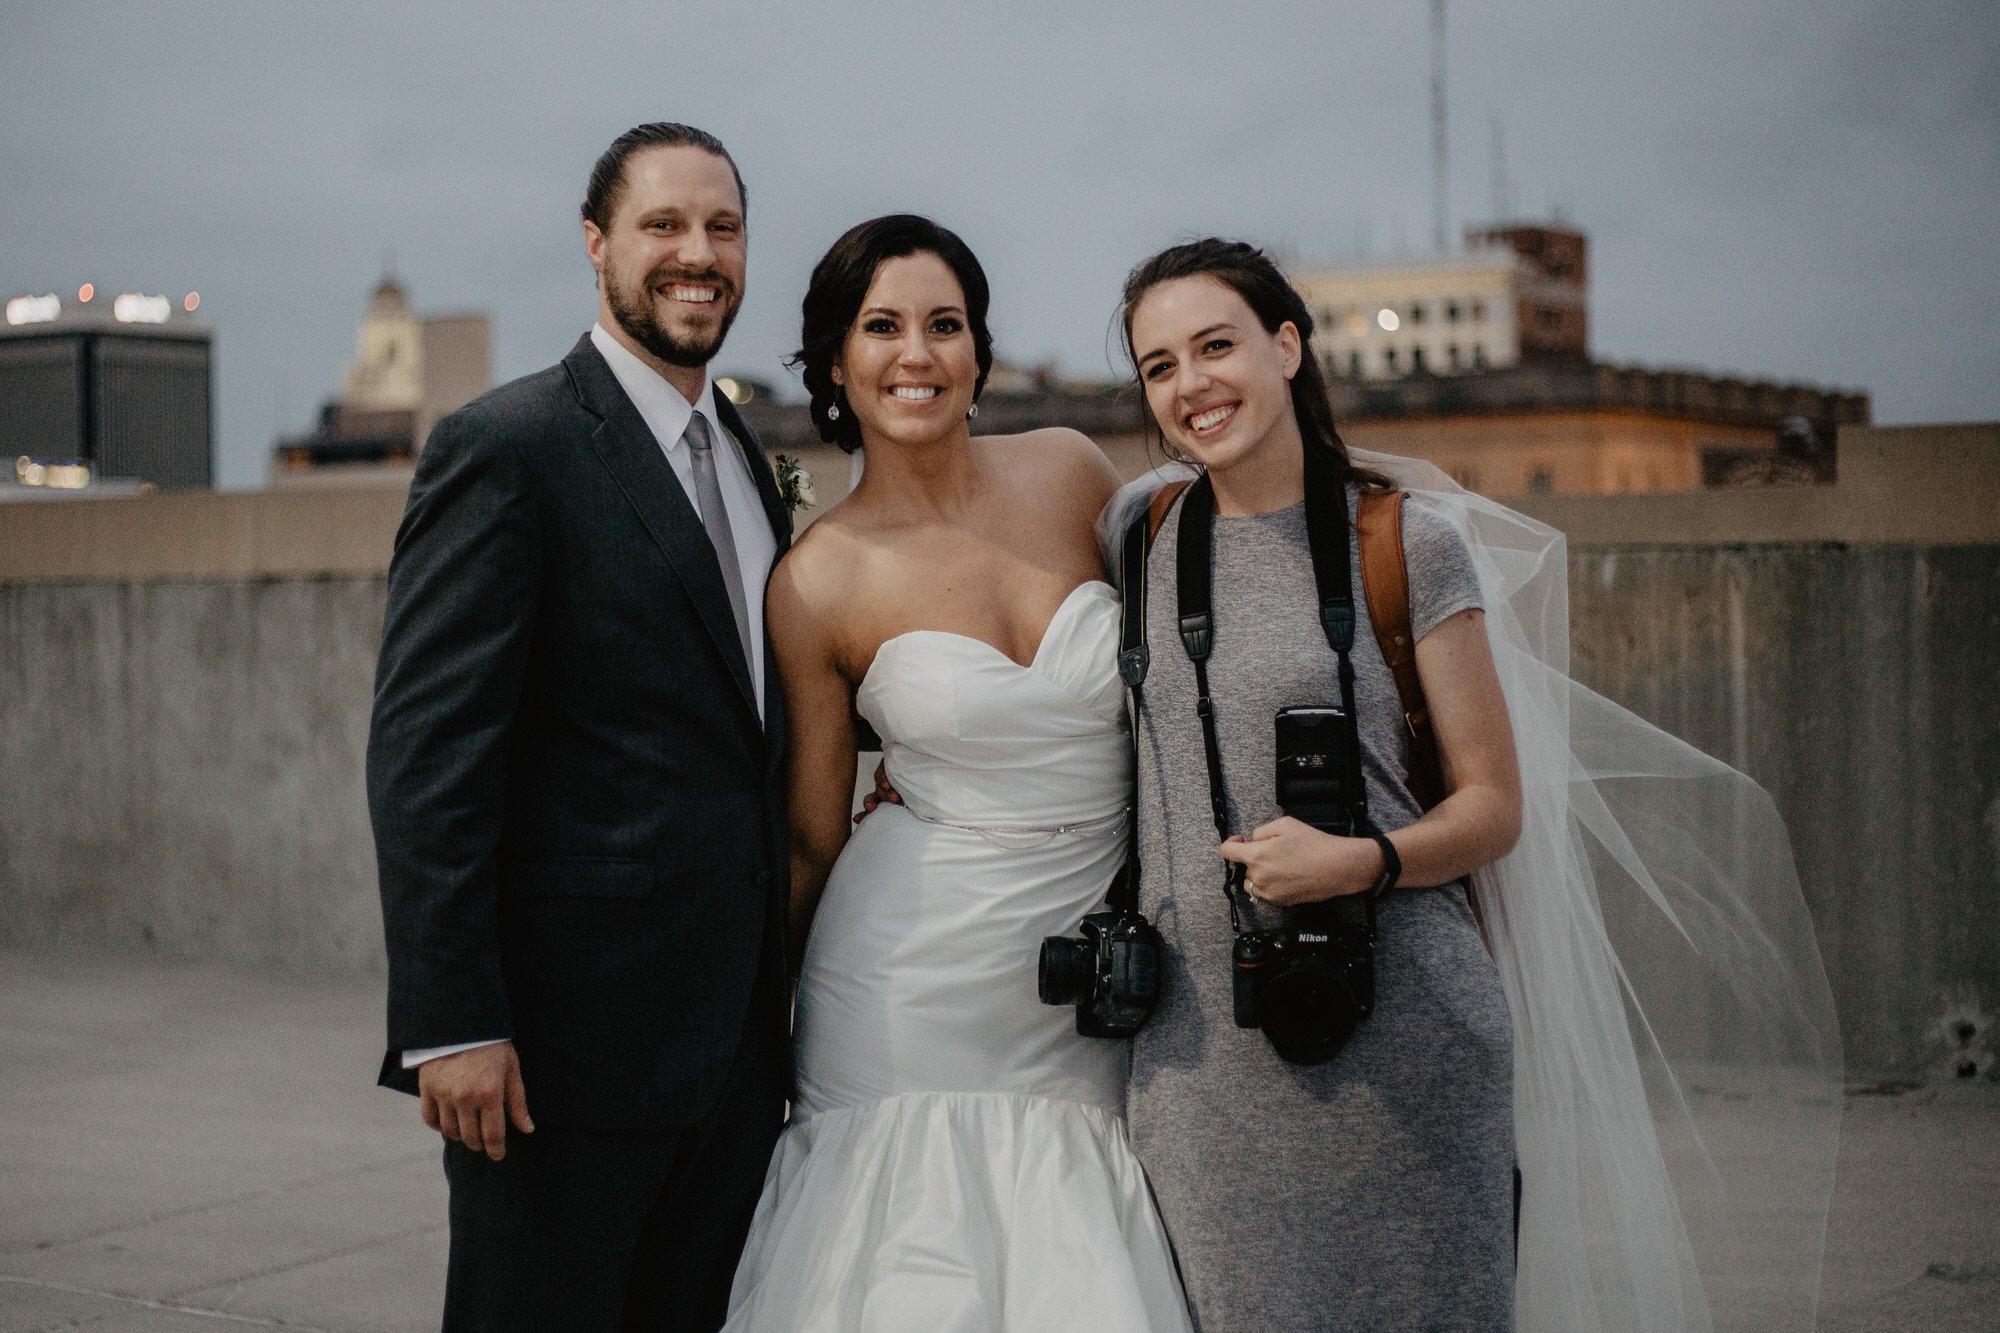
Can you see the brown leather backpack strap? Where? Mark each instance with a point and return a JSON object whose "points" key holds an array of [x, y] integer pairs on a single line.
{"points": [[1385, 581], [1156, 511]]}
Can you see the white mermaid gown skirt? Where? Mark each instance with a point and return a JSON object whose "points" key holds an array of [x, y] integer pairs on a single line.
{"points": [[957, 1159]]}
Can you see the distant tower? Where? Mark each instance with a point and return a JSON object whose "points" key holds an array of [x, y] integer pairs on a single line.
{"points": [[408, 371], [1440, 146], [388, 370]]}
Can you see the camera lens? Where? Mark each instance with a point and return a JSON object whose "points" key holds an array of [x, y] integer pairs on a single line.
{"points": [[1068, 971], [1309, 1007]]}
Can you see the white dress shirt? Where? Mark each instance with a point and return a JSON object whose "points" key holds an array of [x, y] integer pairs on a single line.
{"points": [[661, 404], [667, 414]]}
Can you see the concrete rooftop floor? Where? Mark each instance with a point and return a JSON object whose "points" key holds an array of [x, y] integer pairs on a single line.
{"points": [[191, 1149]]}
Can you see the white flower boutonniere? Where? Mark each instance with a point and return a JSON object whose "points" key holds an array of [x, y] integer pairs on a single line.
{"points": [[795, 484]]}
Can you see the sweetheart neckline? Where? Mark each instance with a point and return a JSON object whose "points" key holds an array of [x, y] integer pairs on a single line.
{"points": [[1029, 665]]}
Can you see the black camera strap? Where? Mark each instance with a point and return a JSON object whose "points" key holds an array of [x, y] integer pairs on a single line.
{"points": [[1133, 660], [1327, 527]]}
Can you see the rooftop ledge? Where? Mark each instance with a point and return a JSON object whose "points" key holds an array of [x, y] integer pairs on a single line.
{"points": [[1924, 485]]}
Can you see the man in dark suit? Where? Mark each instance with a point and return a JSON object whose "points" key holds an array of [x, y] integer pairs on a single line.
{"points": [[573, 774]]}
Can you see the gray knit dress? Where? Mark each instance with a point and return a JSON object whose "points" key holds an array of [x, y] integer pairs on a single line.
{"points": [[1375, 1191]]}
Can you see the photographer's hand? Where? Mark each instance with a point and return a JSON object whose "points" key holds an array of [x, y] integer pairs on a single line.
{"points": [[1288, 863], [472, 1095]]}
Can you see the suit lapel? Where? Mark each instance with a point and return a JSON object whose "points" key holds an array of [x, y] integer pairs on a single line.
{"points": [[760, 469], [626, 445], [781, 528]]}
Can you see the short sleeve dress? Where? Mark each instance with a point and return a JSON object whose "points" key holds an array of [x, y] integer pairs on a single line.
{"points": [[1375, 1191]]}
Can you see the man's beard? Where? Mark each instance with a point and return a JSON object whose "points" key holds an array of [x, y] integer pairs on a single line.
{"points": [[633, 309]]}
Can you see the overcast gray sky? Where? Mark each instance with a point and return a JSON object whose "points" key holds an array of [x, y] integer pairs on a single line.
{"points": [[1778, 188]]}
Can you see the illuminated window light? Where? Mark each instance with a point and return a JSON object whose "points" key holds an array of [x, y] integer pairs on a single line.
{"points": [[132, 308], [60, 476], [33, 309], [1388, 320]]}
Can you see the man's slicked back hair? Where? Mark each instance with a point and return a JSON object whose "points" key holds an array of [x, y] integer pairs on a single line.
{"points": [[607, 178]]}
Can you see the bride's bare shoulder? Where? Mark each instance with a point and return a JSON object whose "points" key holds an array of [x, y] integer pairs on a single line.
{"points": [[815, 579], [1055, 460]]}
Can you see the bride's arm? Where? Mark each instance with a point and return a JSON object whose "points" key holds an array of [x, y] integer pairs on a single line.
{"points": [[820, 747]]}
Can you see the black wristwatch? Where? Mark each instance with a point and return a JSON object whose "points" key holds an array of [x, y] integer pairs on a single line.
{"points": [[1392, 865]]}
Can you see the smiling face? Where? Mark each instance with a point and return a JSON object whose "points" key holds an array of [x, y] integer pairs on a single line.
{"points": [[908, 367], [670, 266], [1218, 384]]}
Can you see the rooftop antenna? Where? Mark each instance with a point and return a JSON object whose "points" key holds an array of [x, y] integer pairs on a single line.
{"points": [[1440, 149], [1503, 194]]}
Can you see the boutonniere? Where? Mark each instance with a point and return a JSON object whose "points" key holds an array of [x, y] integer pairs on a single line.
{"points": [[795, 484]]}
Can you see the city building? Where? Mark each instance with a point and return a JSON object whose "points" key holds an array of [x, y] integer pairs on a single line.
{"points": [[1573, 427], [100, 393], [408, 371], [1518, 293], [1480, 362]]}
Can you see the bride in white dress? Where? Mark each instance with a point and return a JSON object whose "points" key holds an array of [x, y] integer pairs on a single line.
{"points": [[957, 1158]]}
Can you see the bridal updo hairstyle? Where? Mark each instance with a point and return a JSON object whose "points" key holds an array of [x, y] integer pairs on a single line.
{"points": [[840, 283], [1252, 275]]}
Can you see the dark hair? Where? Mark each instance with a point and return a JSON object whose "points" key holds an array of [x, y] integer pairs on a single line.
{"points": [[1252, 275], [840, 282], [607, 178]]}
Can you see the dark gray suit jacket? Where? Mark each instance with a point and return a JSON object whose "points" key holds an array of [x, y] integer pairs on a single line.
{"points": [[579, 821]]}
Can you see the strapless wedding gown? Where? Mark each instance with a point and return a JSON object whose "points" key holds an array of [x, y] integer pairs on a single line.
{"points": [[956, 1160]]}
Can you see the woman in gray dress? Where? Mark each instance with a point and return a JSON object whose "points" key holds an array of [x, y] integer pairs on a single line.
{"points": [[1375, 1190]]}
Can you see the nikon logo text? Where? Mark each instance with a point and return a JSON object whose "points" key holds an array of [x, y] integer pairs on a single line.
{"points": [[1308, 937]]}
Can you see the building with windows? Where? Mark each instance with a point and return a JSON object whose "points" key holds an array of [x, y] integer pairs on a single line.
{"points": [[408, 371], [1480, 362], [1562, 427], [102, 393], [1518, 293]]}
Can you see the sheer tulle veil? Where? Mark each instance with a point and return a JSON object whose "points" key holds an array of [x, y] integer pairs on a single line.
{"points": [[1677, 1073]]}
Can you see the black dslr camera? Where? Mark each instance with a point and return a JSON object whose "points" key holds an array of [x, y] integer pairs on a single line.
{"points": [[1309, 983], [1111, 974]]}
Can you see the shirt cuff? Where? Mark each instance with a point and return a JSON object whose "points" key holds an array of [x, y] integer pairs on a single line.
{"points": [[411, 1059]]}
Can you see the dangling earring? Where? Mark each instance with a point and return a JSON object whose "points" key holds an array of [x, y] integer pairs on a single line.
{"points": [[972, 412], [833, 411]]}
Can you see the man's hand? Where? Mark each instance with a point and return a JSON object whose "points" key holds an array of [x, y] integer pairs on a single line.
{"points": [[883, 792], [471, 1096]]}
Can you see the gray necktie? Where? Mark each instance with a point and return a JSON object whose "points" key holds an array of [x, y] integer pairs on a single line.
{"points": [[715, 518]]}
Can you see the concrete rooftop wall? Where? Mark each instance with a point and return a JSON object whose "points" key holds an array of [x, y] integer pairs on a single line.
{"points": [[185, 684]]}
